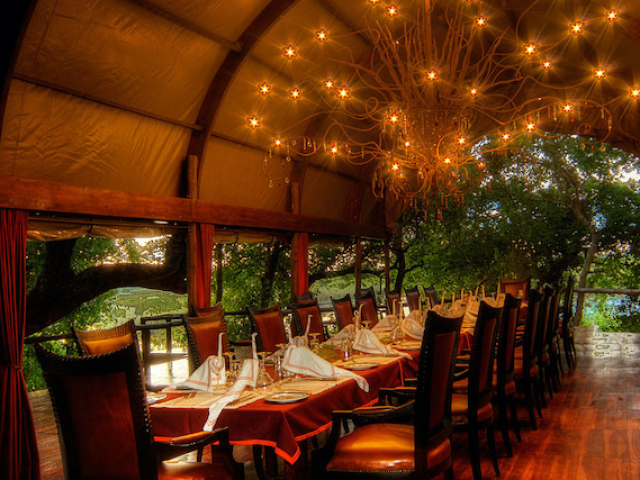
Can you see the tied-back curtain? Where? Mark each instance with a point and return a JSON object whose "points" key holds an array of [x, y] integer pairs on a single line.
{"points": [[18, 447], [303, 263], [205, 258]]}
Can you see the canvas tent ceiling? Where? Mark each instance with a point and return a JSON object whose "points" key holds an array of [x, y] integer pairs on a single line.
{"points": [[107, 96]]}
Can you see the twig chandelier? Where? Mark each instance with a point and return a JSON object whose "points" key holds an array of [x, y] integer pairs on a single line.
{"points": [[418, 108]]}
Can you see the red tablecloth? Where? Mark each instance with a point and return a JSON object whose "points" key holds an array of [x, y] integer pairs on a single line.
{"points": [[283, 426]]}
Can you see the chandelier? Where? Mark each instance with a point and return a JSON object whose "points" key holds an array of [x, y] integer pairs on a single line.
{"points": [[442, 88]]}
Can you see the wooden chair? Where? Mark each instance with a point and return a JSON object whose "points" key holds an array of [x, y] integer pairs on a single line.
{"points": [[343, 309], [552, 341], [97, 342], [503, 377], [541, 346], [430, 293], [106, 340], [414, 299], [382, 448], [103, 423], [567, 326], [305, 312], [202, 334], [369, 309], [525, 368], [471, 407], [394, 302], [517, 287], [269, 325]]}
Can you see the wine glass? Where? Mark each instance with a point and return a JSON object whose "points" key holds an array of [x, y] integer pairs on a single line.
{"points": [[264, 380], [284, 373], [232, 371]]}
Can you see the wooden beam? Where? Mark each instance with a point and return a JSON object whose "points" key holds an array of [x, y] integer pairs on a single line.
{"points": [[40, 195]]}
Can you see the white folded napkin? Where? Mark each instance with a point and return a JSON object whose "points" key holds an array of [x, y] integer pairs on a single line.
{"points": [[367, 342], [246, 378], [385, 324], [211, 374], [413, 325], [342, 336], [301, 360]]}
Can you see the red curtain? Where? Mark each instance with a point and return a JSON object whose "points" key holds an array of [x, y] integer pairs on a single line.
{"points": [[18, 448], [204, 260], [303, 263]]}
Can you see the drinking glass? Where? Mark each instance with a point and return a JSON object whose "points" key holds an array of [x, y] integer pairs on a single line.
{"points": [[264, 380]]}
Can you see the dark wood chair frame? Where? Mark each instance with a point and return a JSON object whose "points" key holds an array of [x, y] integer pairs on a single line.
{"points": [[414, 298], [60, 372], [480, 387], [429, 412], [193, 327], [339, 305], [300, 323], [257, 326]]}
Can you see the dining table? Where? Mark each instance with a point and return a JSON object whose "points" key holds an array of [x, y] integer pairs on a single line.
{"points": [[276, 418]]}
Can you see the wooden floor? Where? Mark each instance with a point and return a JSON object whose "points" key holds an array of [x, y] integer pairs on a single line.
{"points": [[590, 430]]}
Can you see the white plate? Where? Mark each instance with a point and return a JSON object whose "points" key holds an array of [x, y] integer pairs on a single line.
{"points": [[359, 366], [408, 346], [286, 397]]}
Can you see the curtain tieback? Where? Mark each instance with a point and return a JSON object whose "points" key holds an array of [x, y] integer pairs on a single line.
{"points": [[14, 366]]}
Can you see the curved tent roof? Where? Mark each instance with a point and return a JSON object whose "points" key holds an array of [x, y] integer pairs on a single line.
{"points": [[113, 108]]}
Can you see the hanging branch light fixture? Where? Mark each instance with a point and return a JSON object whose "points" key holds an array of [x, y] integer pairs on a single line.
{"points": [[437, 83]]}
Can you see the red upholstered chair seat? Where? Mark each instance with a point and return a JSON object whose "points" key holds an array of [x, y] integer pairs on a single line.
{"points": [[517, 369], [382, 447], [460, 409], [190, 471], [509, 387]]}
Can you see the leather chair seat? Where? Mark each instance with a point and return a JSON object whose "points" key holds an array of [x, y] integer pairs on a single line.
{"points": [[460, 410], [382, 447], [192, 471], [518, 372], [509, 387]]}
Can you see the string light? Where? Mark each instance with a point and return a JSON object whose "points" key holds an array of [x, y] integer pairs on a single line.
{"points": [[328, 84], [577, 28], [600, 73], [294, 94], [612, 15], [290, 52], [321, 35], [530, 49], [265, 89], [481, 22], [432, 75], [392, 11], [344, 93], [254, 121]]}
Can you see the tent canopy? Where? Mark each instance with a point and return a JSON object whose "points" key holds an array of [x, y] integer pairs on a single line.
{"points": [[105, 102]]}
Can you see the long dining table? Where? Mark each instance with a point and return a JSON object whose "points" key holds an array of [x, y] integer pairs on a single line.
{"points": [[283, 426]]}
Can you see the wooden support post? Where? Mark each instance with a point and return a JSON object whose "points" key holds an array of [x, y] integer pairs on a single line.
{"points": [[295, 277], [192, 239], [387, 257], [219, 247], [358, 265]]}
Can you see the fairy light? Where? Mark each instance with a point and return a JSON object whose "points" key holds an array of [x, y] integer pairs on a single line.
{"points": [[546, 64], [462, 140], [506, 137], [600, 73], [254, 121], [290, 52], [530, 49], [577, 28], [567, 108], [473, 91], [481, 22], [612, 15], [531, 126], [328, 84], [334, 149], [265, 89], [392, 11], [447, 160], [635, 92], [277, 142], [295, 94], [321, 35], [395, 167], [432, 75], [344, 93]]}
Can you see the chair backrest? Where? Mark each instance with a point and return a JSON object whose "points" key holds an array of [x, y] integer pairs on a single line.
{"points": [[567, 309], [531, 330], [369, 310], [305, 312], [482, 357], [102, 416], [518, 287], [97, 342], [434, 386], [506, 340], [344, 310], [552, 319], [268, 323], [543, 322], [414, 299], [430, 293], [394, 302], [202, 334]]}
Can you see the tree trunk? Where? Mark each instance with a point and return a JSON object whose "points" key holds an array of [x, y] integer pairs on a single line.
{"points": [[582, 281], [273, 256]]}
